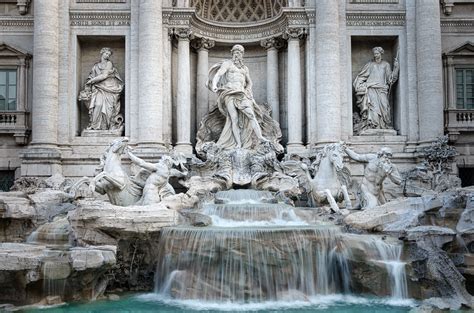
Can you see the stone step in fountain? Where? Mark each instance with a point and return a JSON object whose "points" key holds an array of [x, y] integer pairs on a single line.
{"points": [[52, 234]]}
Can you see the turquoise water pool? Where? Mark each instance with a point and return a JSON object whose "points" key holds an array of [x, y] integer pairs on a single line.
{"points": [[155, 303]]}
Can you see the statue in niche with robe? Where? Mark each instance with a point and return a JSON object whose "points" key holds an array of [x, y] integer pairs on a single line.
{"points": [[101, 95], [372, 89], [237, 121]]}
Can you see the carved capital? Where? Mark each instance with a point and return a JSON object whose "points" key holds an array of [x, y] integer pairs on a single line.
{"points": [[447, 6], [294, 33], [23, 6], [271, 43], [183, 33], [203, 43]]}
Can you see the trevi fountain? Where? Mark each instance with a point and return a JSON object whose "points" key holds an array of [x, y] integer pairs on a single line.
{"points": [[241, 215]]}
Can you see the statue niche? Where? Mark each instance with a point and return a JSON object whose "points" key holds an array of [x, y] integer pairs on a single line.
{"points": [[101, 96], [237, 127], [373, 86]]}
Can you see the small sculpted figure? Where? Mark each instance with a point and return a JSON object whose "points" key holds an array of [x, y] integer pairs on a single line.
{"points": [[377, 169], [372, 88], [157, 186], [102, 94]]}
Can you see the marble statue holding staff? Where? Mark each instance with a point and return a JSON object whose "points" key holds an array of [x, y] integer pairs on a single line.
{"points": [[372, 88]]}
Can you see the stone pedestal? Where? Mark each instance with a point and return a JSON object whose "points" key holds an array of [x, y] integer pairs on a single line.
{"points": [[378, 132], [41, 161], [102, 133]]}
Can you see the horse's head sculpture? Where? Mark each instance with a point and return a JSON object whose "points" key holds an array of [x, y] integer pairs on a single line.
{"points": [[335, 154]]}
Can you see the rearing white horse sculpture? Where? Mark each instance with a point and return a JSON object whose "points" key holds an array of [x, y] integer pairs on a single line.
{"points": [[330, 177]]}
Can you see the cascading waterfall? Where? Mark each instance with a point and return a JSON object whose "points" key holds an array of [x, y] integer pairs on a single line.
{"points": [[52, 285], [249, 264], [390, 255], [56, 269], [258, 250], [254, 252]]}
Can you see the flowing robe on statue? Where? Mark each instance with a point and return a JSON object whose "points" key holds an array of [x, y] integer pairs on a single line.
{"points": [[218, 118], [372, 86], [105, 99]]}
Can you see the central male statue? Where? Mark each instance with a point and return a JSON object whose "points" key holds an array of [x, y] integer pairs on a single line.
{"points": [[230, 79]]}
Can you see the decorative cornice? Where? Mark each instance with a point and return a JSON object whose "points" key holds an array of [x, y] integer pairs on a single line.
{"points": [[101, 1], [458, 25], [374, 1], [100, 18], [16, 24], [235, 32], [375, 19]]}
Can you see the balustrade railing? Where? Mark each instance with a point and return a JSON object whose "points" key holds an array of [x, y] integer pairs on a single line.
{"points": [[16, 123], [460, 119], [465, 116]]}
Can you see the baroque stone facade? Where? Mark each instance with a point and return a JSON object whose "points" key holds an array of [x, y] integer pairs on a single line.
{"points": [[303, 57]]}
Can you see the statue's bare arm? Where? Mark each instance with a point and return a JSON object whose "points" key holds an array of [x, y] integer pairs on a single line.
{"points": [[395, 176], [222, 70], [357, 157], [248, 82], [146, 165], [177, 173]]}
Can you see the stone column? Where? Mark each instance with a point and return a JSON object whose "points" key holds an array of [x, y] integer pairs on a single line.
{"points": [[45, 73], [328, 89], [451, 93], [295, 99], [183, 98], [272, 45], [202, 45], [150, 77], [22, 87], [429, 70], [43, 157]]}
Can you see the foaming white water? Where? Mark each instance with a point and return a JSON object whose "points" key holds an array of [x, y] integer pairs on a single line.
{"points": [[390, 255], [252, 264], [314, 302], [242, 196], [259, 214], [222, 222]]}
